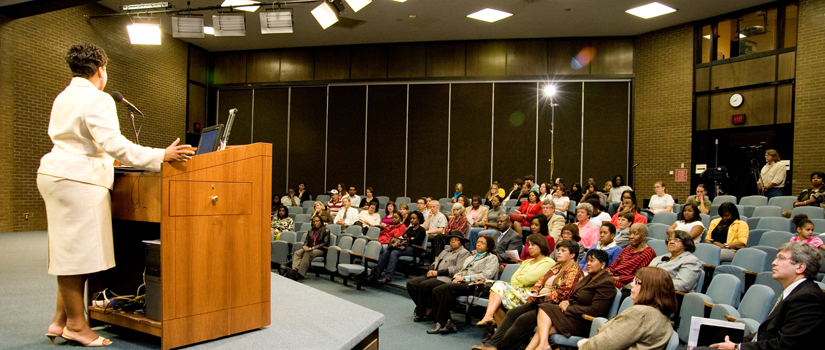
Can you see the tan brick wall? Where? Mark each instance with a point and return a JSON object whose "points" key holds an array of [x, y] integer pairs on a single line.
{"points": [[33, 71], [809, 119], [662, 115]]}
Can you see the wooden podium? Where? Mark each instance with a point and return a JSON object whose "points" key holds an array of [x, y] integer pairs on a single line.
{"points": [[212, 215]]}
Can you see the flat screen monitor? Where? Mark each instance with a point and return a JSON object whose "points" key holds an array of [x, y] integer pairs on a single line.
{"points": [[210, 139]]}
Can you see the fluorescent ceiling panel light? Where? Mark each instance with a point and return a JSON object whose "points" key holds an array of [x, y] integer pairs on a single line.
{"points": [[489, 15], [208, 30], [239, 5], [740, 36], [276, 22], [144, 33], [189, 26], [147, 6], [358, 4], [651, 10], [229, 24], [325, 15]]}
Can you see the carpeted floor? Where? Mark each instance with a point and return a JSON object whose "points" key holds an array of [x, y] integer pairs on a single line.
{"points": [[27, 296]]}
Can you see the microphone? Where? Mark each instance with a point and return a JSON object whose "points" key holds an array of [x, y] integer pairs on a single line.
{"points": [[635, 165], [119, 98]]}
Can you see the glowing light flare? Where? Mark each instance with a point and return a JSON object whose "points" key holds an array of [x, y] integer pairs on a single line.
{"points": [[583, 58], [549, 90]]}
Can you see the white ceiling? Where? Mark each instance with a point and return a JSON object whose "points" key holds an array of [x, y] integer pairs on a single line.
{"points": [[388, 21]]}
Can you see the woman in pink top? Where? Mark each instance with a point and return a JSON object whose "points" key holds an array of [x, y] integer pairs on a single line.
{"points": [[805, 229], [588, 232]]}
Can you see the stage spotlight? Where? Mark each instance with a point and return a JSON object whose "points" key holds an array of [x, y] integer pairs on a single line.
{"points": [[187, 26], [550, 91], [325, 14], [145, 32], [276, 21]]}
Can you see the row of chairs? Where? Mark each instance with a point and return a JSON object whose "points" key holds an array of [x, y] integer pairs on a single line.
{"points": [[772, 215]]}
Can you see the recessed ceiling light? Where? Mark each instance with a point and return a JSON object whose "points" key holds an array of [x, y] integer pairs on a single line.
{"points": [[412, 16], [651, 10], [489, 15], [239, 5]]}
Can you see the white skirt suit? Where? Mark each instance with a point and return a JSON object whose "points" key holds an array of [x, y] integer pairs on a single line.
{"points": [[76, 176]]}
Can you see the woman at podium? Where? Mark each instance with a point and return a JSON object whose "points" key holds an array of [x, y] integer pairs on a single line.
{"points": [[74, 180]]}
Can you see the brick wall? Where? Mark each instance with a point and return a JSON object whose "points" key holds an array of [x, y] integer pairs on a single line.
{"points": [[663, 104], [809, 114], [33, 71]]}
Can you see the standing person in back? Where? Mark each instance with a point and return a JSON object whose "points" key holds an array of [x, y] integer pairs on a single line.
{"points": [[74, 180], [772, 176]]}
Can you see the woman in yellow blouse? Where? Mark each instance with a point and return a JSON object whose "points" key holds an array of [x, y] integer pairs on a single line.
{"points": [[727, 231]]}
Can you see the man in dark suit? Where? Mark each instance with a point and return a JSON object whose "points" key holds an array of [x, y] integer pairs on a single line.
{"points": [[509, 239], [796, 321]]}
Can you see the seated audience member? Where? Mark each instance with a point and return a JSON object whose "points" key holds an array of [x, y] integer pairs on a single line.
{"points": [[319, 211], [459, 190], [507, 240], [576, 193], [354, 199], [772, 176], [617, 188], [515, 192], [276, 203], [728, 232], [457, 220], [440, 272], [302, 192], [388, 211], [335, 203], [606, 234], [661, 201], [291, 200], [434, 227], [684, 267], [805, 229], [281, 222], [463, 200], [590, 189], [588, 232], [593, 296], [561, 200], [342, 190], [316, 240], [796, 321], [537, 225], [476, 214], [396, 229], [700, 200], [508, 295], [599, 216], [607, 187], [501, 191], [636, 255], [529, 179], [570, 232], [481, 265], [389, 257], [623, 222], [369, 218], [347, 215], [491, 222], [524, 196], [405, 214], [526, 211], [368, 198], [814, 196], [555, 222], [422, 205], [545, 190], [646, 324], [690, 222], [493, 192], [629, 205]]}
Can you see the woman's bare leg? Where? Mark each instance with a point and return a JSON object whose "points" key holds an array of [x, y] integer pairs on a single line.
{"points": [[71, 293], [492, 306], [545, 329]]}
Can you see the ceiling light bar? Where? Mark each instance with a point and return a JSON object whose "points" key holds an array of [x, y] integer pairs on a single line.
{"points": [[145, 33], [241, 5], [147, 6], [229, 24], [187, 26], [489, 15], [357, 4], [651, 10], [276, 21], [325, 14]]}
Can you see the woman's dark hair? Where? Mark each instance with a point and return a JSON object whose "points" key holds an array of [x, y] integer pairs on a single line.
{"points": [[696, 212], [686, 239], [621, 179], [491, 242], [577, 188], [632, 199], [574, 229], [599, 255], [417, 215], [594, 201], [475, 198], [535, 194], [394, 208], [371, 191], [631, 193], [800, 220], [539, 240], [85, 59], [819, 174], [656, 290], [467, 202], [286, 211], [731, 208], [610, 227], [542, 223], [571, 247]]}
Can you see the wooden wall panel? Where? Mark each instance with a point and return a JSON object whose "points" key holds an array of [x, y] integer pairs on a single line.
{"points": [[702, 79], [387, 139], [307, 138], [753, 71], [446, 59], [369, 62], [263, 66], [527, 57], [613, 56], [197, 64], [230, 68], [407, 61], [270, 124], [787, 66], [470, 136], [196, 111], [784, 103], [347, 118], [758, 108], [297, 65], [514, 143], [241, 133], [427, 146], [332, 63], [562, 52], [568, 135], [605, 108], [702, 113], [486, 58]]}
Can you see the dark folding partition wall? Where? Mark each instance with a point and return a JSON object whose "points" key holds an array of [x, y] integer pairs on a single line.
{"points": [[421, 139]]}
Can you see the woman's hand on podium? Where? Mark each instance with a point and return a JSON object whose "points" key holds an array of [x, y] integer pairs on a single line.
{"points": [[177, 153]]}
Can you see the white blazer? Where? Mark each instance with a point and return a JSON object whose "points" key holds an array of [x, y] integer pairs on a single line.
{"points": [[86, 135]]}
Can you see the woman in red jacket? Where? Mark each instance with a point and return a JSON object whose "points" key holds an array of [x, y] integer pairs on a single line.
{"points": [[526, 211], [397, 229]]}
